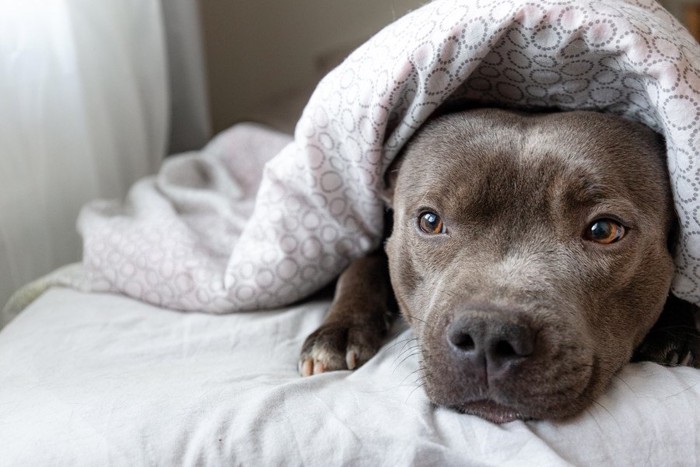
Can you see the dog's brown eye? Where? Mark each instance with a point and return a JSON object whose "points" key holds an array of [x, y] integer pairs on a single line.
{"points": [[605, 231], [430, 223]]}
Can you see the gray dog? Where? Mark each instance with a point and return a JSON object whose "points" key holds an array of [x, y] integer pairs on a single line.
{"points": [[532, 255]]}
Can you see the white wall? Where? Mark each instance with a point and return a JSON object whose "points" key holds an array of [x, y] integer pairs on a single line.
{"points": [[261, 48]]}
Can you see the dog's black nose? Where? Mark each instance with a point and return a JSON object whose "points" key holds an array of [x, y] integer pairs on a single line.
{"points": [[490, 341]]}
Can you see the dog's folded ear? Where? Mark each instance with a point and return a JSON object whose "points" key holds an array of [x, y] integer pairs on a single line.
{"points": [[390, 176], [674, 340]]}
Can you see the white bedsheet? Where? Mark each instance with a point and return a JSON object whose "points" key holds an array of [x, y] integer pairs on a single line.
{"points": [[91, 379]]}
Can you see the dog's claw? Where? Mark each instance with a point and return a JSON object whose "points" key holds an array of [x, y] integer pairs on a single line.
{"points": [[351, 359], [687, 360], [310, 367], [306, 367], [319, 368]]}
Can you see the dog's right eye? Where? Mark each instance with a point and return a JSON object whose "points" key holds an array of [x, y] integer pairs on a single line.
{"points": [[431, 224]]}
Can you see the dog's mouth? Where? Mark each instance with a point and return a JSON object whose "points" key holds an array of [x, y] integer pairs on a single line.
{"points": [[492, 411]]}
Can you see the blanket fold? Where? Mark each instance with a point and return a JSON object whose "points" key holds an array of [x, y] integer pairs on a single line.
{"points": [[219, 233]]}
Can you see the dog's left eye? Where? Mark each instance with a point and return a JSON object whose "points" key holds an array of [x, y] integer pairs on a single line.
{"points": [[605, 231], [431, 224]]}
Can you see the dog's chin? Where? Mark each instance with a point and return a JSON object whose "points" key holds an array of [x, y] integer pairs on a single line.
{"points": [[491, 411]]}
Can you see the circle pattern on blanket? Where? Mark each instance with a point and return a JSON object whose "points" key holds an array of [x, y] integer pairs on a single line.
{"points": [[319, 203]]}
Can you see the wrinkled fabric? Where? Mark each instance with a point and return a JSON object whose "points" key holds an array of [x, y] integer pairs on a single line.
{"points": [[98, 379], [194, 239]]}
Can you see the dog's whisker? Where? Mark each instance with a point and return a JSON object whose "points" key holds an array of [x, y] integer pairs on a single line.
{"points": [[595, 420], [411, 355], [617, 377], [411, 374], [409, 343], [596, 403], [414, 318], [405, 342], [410, 394]]}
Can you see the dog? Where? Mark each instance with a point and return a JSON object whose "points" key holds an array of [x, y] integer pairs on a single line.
{"points": [[532, 256]]}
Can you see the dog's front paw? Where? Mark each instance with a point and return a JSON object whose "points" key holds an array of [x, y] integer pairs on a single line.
{"points": [[671, 347], [338, 346], [674, 340]]}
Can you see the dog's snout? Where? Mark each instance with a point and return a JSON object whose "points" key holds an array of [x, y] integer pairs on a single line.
{"points": [[490, 341]]}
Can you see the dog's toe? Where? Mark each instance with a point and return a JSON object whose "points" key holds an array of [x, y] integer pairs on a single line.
{"points": [[337, 347], [361, 346], [314, 363]]}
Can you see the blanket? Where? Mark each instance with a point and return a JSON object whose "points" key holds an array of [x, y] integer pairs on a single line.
{"points": [[230, 230]]}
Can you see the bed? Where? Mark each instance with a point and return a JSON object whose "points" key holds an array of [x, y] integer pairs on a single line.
{"points": [[99, 379], [133, 358]]}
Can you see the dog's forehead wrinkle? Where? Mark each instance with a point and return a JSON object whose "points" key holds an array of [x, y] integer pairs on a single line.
{"points": [[497, 180]]}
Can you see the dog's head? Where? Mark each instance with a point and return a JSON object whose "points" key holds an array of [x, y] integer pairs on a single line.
{"points": [[530, 254]]}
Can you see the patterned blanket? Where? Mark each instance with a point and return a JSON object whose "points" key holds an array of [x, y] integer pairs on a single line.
{"points": [[234, 228]]}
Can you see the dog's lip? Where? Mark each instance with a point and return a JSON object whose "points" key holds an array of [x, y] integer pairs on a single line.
{"points": [[492, 411]]}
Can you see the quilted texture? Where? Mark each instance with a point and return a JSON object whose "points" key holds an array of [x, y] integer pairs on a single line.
{"points": [[192, 239]]}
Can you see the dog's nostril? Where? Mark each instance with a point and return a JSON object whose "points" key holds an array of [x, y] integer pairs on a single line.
{"points": [[462, 341], [493, 339], [504, 349]]}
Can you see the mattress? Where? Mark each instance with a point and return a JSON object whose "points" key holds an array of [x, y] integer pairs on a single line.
{"points": [[99, 379]]}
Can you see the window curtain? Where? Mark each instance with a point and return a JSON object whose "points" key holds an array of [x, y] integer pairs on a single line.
{"points": [[85, 110]]}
